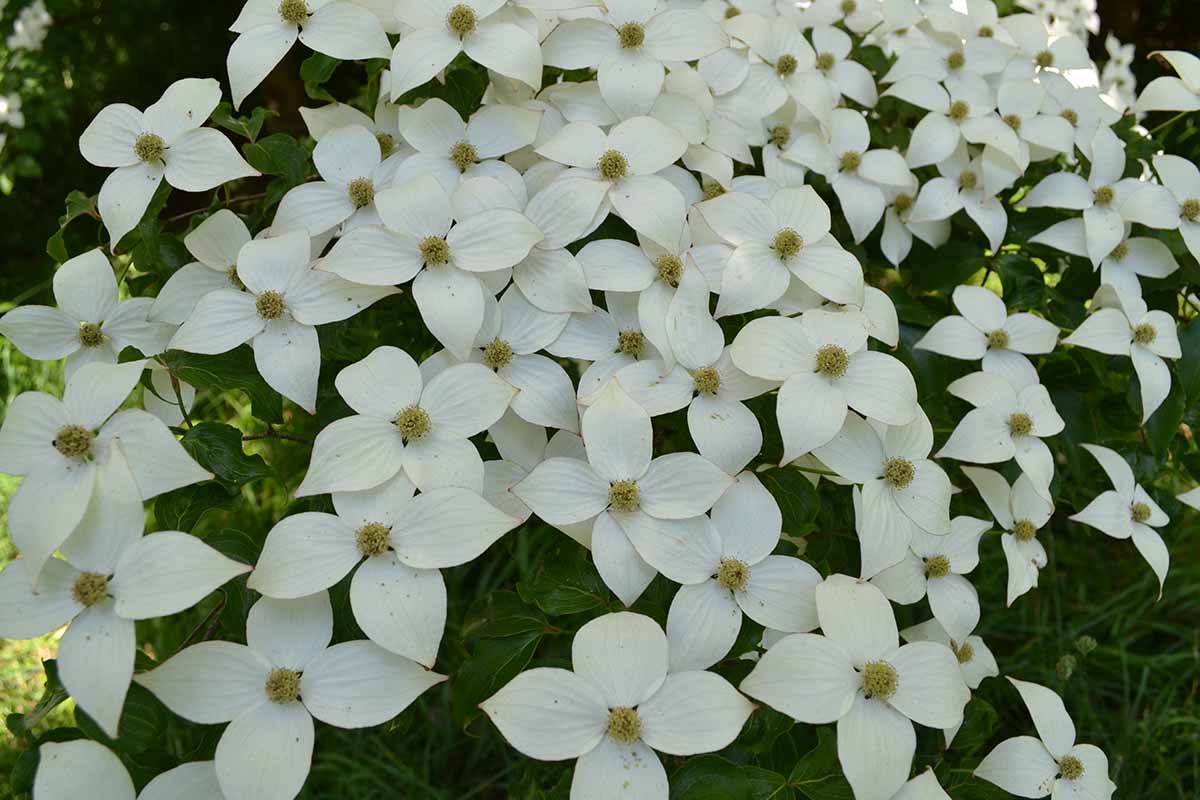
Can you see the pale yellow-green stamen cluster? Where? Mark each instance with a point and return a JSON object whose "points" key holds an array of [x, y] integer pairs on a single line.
{"points": [[898, 472], [462, 20], [74, 441], [269, 305], [90, 588], [498, 354], [1024, 530], [832, 361], [733, 574], [149, 148], [706, 380], [879, 680], [1020, 424], [362, 192], [612, 165], [779, 136], [435, 251], [283, 685], [967, 180], [631, 35], [372, 539], [850, 161], [1044, 59], [464, 155], [787, 243], [937, 567], [623, 495], [624, 725], [412, 422], [293, 12], [825, 61], [959, 110], [631, 343], [1145, 334], [956, 60], [1140, 512], [786, 65], [670, 269], [1103, 196], [90, 334], [964, 652], [1070, 768], [1190, 209], [998, 339]]}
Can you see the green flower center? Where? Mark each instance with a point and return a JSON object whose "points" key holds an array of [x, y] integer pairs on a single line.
{"points": [[630, 35], [965, 652], [850, 161], [283, 685], [149, 147], [956, 60], [712, 190], [732, 11], [1103, 196], [849, 7], [1119, 252], [624, 725], [74, 441], [937, 567], [959, 110], [1140, 512], [903, 203], [786, 65], [387, 144], [623, 495], [968, 180], [1024, 530], [898, 472], [1044, 59], [1020, 424], [1013, 121], [1190, 210], [412, 422], [879, 680], [464, 155], [631, 343], [832, 361], [434, 251], [733, 574], [706, 380], [269, 305], [293, 12], [985, 32], [373, 539], [670, 269], [234, 280], [612, 166], [90, 588], [787, 243], [362, 192], [461, 20], [498, 354], [1070, 768], [825, 61], [1070, 116], [1144, 333], [90, 334], [779, 136], [998, 339]]}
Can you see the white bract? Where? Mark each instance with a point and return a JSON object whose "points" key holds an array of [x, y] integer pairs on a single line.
{"points": [[1020, 511], [84, 768], [987, 331]]}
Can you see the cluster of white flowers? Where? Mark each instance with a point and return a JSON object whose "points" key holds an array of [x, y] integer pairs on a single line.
{"points": [[30, 28], [682, 154]]}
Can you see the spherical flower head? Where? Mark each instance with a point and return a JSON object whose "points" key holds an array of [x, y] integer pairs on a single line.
{"points": [[149, 147], [1070, 115], [786, 65], [898, 472], [998, 339], [372, 539], [624, 725], [612, 166], [1065, 666], [434, 251], [1013, 121], [879, 680], [850, 161], [937, 567], [706, 380], [832, 361], [733, 574], [1119, 252], [631, 343], [1145, 334], [959, 110], [787, 243], [1190, 210], [732, 11], [293, 12], [269, 305], [825, 61], [779, 136], [283, 685], [1070, 768], [631, 35], [1020, 424], [90, 588], [903, 203], [670, 269], [234, 280], [968, 180], [362, 192], [412, 422], [1044, 59], [1086, 644], [1139, 512], [74, 441], [461, 20], [956, 60], [849, 7], [464, 155], [964, 652], [1103, 196], [712, 190], [387, 143], [1024, 530], [90, 334], [985, 32], [498, 354], [623, 495]]}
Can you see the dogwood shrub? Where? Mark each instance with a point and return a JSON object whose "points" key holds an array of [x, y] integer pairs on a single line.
{"points": [[781, 314]]}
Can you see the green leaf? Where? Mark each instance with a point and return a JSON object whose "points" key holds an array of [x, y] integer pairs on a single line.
{"points": [[762, 729], [818, 775], [278, 154], [232, 370], [236, 544], [979, 725], [710, 778], [1164, 422], [247, 127], [767, 785], [493, 663], [1189, 363], [567, 583], [502, 613], [181, 509], [218, 448], [797, 498], [143, 723]]}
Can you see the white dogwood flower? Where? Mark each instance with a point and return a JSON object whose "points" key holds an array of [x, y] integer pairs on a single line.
{"points": [[965, 113], [267, 29], [858, 675], [1182, 179], [966, 184], [1020, 511], [1127, 512], [611, 338], [987, 331], [1170, 93], [975, 660], [91, 323], [85, 768], [270, 689], [215, 244], [1051, 764], [1135, 257], [284, 301], [822, 361], [615, 707], [165, 140], [404, 422], [743, 578]]}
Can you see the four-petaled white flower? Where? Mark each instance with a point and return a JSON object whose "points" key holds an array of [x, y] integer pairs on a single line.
{"points": [[987, 331], [215, 244], [615, 707], [84, 768], [1020, 511]]}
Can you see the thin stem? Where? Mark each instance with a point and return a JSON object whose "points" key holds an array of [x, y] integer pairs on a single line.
{"points": [[229, 202], [271, 433], [28, 293], [1168, 123], [815, 471], [179, 400]]}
